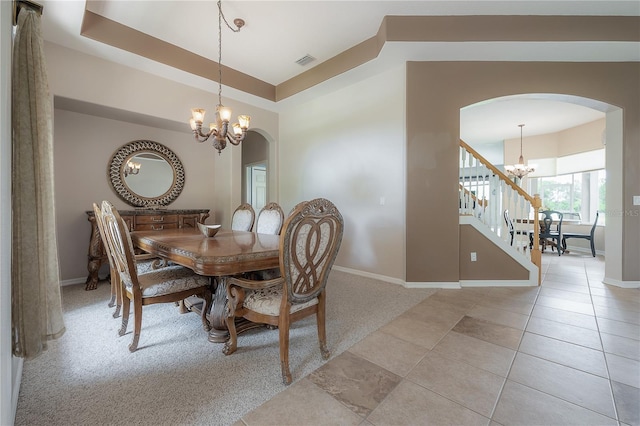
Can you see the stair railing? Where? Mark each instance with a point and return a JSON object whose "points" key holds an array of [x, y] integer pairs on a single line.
{"points": [[486, 193]]}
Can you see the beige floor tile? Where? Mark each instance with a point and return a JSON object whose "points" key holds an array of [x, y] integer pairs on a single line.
{"points": [[565, 317], [567, 333], [565, 295], [302, 403], [526, 294], [617, 314], [508, 304], [425, 334], [410, 404], [437, 312], [456, 297], [389, 352], [493, 358], [489, 332], [619, 328], [568, 354], [575, 278], [627, 402], [574, 288], [499, 316], [465, 384], [357, 383], [584, 389], [521, 405], [565, 305], [618, 301], [622, 346], [624, 370]]}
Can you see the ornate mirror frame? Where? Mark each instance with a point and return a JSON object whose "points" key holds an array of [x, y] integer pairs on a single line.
{"points": [[115, 172]]}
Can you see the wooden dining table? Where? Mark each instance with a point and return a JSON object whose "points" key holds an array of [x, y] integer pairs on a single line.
{"points": [[226, 254]]}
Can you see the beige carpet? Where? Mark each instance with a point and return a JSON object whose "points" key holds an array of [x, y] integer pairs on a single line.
{"points": [[88, 377]]}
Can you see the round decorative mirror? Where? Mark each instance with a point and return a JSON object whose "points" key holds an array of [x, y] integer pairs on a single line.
{"points": [[146, 174]]}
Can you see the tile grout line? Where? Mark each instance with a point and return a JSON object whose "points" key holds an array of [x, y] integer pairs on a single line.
{"points": [[606, 359]]}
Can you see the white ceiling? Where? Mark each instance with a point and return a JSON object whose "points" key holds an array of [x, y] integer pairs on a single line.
{"points": [[277, 33]]}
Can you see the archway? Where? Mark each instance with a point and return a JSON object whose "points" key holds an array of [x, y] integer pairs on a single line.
{"points": [[255, 170], [565, 137]]}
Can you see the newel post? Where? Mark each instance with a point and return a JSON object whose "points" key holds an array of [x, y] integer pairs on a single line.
{"points": [[536, 255]]}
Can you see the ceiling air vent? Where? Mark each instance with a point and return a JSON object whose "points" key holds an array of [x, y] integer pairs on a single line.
{"points": [[305, 60]]}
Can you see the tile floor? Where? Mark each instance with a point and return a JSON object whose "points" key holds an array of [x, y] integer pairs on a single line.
{"points": [[567, 352]]}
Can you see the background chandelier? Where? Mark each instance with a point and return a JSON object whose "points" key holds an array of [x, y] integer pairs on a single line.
{"points": [[220, 129], [132, 168], [519, 170]]}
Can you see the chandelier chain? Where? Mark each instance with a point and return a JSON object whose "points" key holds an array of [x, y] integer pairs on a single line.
{"points": [[221, 17]]}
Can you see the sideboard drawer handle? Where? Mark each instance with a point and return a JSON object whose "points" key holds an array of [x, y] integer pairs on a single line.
{"points": [[157, 228], [157, 219]]}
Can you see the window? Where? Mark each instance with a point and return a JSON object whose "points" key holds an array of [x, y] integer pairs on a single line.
{"points": [[577, 194]]}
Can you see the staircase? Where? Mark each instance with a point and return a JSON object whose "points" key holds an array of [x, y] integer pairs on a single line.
{"points": [[486, 193]]}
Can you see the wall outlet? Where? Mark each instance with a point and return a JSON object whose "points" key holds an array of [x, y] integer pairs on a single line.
{"points": [[474, 257]]}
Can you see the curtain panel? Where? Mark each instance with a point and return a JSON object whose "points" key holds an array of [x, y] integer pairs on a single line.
{"points": [[35, 287]]}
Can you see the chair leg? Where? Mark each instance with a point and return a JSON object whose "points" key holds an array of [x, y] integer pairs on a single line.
{"points": [[593, 247], [125, 315], [558, 246], [118, 288], [112, 301], [283, 329], [322, 334], [137, 324]]}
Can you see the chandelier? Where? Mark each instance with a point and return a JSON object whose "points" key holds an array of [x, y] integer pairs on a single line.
{"points": [[519, 170], [132, 168], [220, 129]]}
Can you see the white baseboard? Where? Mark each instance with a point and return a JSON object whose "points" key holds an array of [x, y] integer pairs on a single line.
{"points": [[623, 284], [370, 275], [73, 281], [494, 283], [434, 284], [438, 284]]}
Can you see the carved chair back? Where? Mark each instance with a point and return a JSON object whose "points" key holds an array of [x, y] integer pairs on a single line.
{"points": [[270, 219], [309, 245], [243, 217]]}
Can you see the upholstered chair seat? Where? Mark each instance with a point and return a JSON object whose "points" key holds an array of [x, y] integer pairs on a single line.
{"points": [[159, 282], [267, 301]]}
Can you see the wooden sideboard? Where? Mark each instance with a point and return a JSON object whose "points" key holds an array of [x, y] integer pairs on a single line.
{"points": [[138, 220]]}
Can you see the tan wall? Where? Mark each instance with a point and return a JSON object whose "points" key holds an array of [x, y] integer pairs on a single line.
{"points": [[492, 263], [435, 93]]}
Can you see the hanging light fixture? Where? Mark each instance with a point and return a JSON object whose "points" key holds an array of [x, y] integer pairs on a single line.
{"points": [[220, 129], [132, 168], [519, 170]]}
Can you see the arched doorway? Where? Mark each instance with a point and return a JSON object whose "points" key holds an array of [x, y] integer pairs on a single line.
{"points": [[564, 141], [255, 170]]}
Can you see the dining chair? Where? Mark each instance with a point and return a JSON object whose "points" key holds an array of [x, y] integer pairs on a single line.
{"points": [[512, 230], [270, 219], [551, 229], [243, 217], [309, 243], [145, 263], [169, 284], [589, 236]]}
